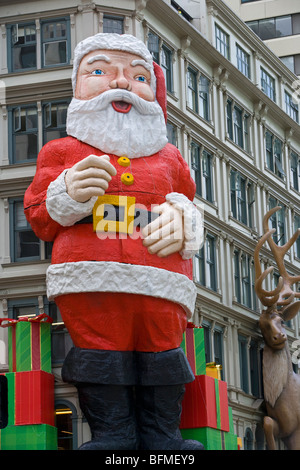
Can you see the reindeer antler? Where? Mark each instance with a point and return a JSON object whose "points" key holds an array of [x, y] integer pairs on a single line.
{"points": [[267, 298], [283, 295], [287, 295]]}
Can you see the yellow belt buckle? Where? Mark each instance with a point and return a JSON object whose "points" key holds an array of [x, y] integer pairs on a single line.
{"points": [[108, 204]]}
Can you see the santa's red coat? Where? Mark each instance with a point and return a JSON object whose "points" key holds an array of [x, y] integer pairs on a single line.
{"points": [[116, 267]]}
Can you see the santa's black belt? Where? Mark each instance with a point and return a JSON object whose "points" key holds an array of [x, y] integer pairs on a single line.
{"points": [[142, 217], [118, 214]]}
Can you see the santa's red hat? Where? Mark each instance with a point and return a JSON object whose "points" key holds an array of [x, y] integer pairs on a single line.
{"points": [[126, 43]]}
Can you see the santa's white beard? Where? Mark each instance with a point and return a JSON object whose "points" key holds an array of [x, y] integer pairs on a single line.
{"points": [[140, 132]]}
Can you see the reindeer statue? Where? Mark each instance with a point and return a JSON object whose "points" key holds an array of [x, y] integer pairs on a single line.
{"points": [[281, 384]]}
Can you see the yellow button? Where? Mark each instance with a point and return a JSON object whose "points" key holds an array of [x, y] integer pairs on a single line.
{"points": [[127, 178], [124, 161]]}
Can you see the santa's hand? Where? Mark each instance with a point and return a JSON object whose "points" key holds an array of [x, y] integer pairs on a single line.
{"points": [[164, 236], [89, 177]]}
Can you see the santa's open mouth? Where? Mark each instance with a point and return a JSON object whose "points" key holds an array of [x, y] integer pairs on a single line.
{"points": [[121, 106]]}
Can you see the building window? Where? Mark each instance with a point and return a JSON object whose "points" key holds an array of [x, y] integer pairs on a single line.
{"points": [[205, 264], [214, 344], [54, 120], [268, 85], [54, 43], [23, 132], [166, 65], [27, 307], [64, 425], [192, 89], [113, 24], [202, 171], [244, 279], [24, 243], [295, 170], [249, 366], [243, 61], [172, 134], [276, 27], [277, 221], [22, 47], [163, 56], [254, 361], [218, 348], [243, 353], [238, 125], [222, 42], [274, 151], [61, 341], [297, 226], [65, 422], [198, 93], [291, 107], [242, 198], [22, 44], [23, 128], [292, 62]]}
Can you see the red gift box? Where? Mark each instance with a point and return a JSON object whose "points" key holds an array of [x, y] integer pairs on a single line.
{"points": [[34, 398], [205, 404]]}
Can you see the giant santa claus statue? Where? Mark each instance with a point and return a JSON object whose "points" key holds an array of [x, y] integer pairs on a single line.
{"points": [[116, 199]]}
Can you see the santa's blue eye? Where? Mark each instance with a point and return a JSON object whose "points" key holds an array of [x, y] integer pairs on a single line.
{"points": [[141, 78], [97, 72]]}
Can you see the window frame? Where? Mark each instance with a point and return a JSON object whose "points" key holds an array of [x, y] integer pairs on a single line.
{"points": [[237, 119], [10, 46], [244, 279], [13, 233], [203, 177], [295, 170], [119, 19], [222, 41], [67, 40], [242, 205], [12, 132], [157, 56], [39, 40], [205, 265], [297, 226], [46, 124], [243, 61], [268, 84], [274, 159], [278, 221], [291, 108]]}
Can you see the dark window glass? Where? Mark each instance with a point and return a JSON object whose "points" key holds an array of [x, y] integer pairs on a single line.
{"points": [[23, 47], [283, 25], [112, 25]]}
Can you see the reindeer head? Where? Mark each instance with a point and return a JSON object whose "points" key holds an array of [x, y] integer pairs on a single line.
{"points": [[280, 301]]}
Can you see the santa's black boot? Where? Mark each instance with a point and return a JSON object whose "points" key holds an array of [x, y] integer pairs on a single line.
{"points": [[109, 410], [158, 416], [159, 397], [105, 381]]}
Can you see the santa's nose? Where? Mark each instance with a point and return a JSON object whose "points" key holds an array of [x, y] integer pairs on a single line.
{"points": [[120, 81]]}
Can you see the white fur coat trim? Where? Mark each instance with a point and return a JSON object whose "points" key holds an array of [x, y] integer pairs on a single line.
{"points": [[109, 276]]}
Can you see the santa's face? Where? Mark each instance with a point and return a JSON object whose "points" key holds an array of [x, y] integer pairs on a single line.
{"points": [[104, 70], [114, 107]]}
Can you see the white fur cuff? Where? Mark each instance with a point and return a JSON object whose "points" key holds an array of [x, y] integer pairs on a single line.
{"points": [[193, 225], [62, 208]]}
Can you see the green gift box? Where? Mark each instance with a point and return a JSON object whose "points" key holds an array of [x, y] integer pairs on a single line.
{"points": [[193, 347], [29, 437], [29, 343], [212, 439]]}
